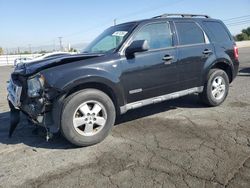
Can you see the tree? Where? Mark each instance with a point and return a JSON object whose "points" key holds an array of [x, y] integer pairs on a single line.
{"points": [[72, 50], [246, 31], [1, 51], [244, 35], [42, 52], [25, 52]]}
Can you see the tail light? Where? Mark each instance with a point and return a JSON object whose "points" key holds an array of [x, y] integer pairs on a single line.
{"points": [[236, 52]]}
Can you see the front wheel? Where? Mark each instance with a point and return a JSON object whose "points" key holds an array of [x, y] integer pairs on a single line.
{"points": [[216, 88], [87, 117]]}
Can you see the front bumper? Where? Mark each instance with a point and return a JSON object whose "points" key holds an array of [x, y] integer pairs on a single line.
{"points": [[41, 111]]}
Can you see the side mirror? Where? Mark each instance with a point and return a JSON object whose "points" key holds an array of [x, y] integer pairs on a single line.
{"points": [[137, 46]]}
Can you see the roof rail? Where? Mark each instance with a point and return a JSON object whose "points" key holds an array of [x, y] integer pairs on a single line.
{"points": [[182, 15]]}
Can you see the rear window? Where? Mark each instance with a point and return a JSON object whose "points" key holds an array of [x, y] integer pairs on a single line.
{"points": [[189, 33], [218, 31]]}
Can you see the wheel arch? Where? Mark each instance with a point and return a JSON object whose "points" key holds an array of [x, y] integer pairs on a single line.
{"points": [[105, 83], [223, 65], [99, 86], [226, 67]]}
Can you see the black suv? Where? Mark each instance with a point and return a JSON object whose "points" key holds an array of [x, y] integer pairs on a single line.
{"points": [[128, 66]]}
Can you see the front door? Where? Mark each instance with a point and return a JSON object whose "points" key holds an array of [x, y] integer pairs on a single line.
{"points": [[154, 72]]}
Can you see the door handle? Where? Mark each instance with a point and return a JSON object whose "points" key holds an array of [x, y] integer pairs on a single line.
{"points": [[167, 58], [207, 51]]}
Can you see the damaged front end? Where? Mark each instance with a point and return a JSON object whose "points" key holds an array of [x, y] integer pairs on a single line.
{"points": [[32, 91], [32, 96]]}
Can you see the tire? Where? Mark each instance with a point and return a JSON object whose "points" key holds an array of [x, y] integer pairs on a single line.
{"points": [[210, 96], [87, 117]]}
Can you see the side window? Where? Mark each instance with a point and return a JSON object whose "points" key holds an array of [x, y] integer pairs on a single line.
{"points": [[218, 31], [158, 35], [189, 33]]}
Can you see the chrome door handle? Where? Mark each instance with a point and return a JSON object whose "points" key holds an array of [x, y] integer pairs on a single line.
{"points": [[207, 51], [167, 58]]}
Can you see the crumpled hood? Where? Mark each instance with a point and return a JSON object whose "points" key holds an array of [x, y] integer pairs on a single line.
{"points": [[36, 66]]}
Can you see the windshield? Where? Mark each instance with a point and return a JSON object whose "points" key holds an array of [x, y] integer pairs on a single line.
{"points": [[110, 39]]}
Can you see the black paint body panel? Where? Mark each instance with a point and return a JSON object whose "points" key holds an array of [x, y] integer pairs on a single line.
{"points": [[144, 76]]}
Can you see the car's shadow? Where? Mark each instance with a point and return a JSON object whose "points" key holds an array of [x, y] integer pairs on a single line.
{"points": [[244, 71], [190, 101], [28, 135]]}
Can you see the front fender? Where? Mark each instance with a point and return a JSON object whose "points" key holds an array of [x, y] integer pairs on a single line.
{"points": [[110, 82], [74, 77], [67, 77]]}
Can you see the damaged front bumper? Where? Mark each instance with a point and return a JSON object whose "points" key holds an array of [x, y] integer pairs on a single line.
{"points": [[39, 110], [14, 95]]}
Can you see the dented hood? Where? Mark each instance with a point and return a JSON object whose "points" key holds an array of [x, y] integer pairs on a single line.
{"points": [[36, 66]]}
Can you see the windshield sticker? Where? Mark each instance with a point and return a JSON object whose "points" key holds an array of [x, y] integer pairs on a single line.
{"points": [[119, 33]]}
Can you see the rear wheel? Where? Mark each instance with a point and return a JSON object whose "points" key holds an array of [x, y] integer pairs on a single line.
{"points": [[216, 88], [87, 117]]}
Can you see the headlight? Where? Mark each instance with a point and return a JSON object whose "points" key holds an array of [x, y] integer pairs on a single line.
{"points": [[35, 86]]}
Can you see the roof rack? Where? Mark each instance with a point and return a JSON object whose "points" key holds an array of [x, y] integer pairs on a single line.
{"points": [[182, 15]]}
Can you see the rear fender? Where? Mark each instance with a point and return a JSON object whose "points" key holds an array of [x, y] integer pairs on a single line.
{"points": [[222, 63]]}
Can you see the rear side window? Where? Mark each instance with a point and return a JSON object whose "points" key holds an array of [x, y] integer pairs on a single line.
{"points": [[189, 33], [218, 31]]}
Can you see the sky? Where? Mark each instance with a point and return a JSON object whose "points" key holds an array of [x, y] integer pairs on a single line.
{"points": [[34, 23]]}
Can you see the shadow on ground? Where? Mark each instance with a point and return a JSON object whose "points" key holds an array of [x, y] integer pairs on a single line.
{"points": [[244, 72], [28, 134], [190, 101]]}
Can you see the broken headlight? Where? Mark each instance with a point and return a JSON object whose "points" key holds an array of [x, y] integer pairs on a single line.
{"points": [[35, 86]]}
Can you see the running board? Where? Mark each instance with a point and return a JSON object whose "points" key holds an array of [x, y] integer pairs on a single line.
{"points": [[159, 99]]}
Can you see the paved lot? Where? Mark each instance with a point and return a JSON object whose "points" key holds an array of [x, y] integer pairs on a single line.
{"points": [[178, 143]]}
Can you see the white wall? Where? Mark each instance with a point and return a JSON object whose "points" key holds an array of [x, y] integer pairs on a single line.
{"points": [[243, 44], [9, 59]]}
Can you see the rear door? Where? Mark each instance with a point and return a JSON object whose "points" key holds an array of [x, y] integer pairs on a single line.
{"points": [[223, 42], [193, 51], [221, 38]]}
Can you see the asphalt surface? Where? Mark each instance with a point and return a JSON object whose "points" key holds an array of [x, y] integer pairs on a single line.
{"points": [[178, 143]]}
